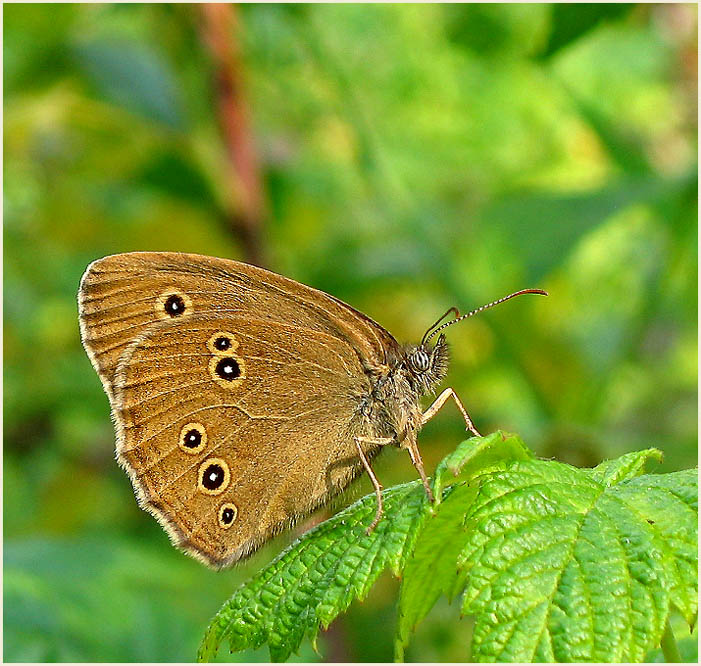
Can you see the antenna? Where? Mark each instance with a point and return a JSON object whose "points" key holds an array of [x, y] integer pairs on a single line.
{"points": [[440, 319], [430, 334]]}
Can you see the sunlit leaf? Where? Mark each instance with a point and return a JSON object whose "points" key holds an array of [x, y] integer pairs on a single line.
{"points": [[561, 567], [318, 577]]}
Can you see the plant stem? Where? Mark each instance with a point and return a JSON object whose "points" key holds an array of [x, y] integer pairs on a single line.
{"points": [[669, 646], [245, 219]]}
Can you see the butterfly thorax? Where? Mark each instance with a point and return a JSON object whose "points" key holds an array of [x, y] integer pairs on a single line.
{"points": [[393, 408]]}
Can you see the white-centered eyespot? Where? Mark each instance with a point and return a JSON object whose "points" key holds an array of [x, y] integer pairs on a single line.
{"points": [[172, 304], [193, 438], [228, 371], [213, 476], [222, 343]]}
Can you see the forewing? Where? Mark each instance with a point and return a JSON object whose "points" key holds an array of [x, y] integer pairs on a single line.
{"points": [[123, 295]]}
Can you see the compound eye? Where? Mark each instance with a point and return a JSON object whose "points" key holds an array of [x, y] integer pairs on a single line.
{"points": [[420, 360]]}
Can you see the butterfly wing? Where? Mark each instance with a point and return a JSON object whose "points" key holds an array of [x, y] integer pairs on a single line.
{"points": [[270, 443], [122, 295], [236, 399]]}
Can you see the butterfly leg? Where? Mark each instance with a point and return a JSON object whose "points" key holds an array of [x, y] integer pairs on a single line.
{"points": [[371, 474], [440, 401], [416, 460]]}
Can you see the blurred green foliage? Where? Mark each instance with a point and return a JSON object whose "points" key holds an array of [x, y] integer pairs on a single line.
{"points": [[414, 157]]}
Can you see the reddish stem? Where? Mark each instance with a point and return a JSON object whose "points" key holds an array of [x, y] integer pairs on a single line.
{"points": [[219, 33]]}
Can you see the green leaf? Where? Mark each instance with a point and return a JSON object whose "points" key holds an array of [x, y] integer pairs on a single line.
{"points": [[135, 77], [669, 502], [556, 563], [475, 454], [571, 21], [562, 567], [318, 576], [628, 466], [430, 572]]}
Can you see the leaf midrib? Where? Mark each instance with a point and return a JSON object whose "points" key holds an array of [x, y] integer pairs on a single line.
{"points": [[556, 583]]}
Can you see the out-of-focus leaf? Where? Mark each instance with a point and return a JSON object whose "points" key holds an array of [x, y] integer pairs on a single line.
{"points": [[555, 223], [688, 649], [626, 149], [135, 77], [101, 599], [34, 46], [488, 29], [570, 21], [174, 175]]}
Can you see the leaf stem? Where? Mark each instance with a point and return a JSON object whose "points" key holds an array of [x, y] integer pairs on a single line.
{"points": [[669, 646]]}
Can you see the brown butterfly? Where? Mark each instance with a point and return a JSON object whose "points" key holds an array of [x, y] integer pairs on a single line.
{"points": [[244, 400]]}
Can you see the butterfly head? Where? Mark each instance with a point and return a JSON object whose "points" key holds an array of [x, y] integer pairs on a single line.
{"points": [[428, 366]]}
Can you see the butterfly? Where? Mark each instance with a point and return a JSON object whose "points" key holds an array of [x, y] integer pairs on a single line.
{"points": [[243, 400]]}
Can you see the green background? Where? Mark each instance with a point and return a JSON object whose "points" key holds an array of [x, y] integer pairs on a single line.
{"points": [[413, 157]]}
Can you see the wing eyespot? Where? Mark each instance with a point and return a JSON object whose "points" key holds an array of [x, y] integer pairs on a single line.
{"points": [[227, 371], [222, 342], [213, 476], [228, 512], [172, 304], [192, 438]]}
